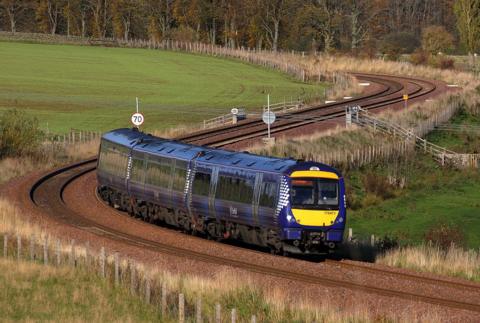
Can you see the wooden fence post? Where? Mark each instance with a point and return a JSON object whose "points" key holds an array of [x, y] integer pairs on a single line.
{"points": [[218, 313], [132, 277], [58, 252], [181, 308], [72, 253], [45, 251], [87, 253], [32, 247], [164, 299], [254, 319], [350, 234], [5, 245], [372, 240], [102, 262], [199, 310], [234, 315], [19, 246], [147, 290], [117, 273]]}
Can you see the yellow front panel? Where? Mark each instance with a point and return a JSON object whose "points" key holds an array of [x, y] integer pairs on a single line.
{"points": [[318, 218], [314, 173]]}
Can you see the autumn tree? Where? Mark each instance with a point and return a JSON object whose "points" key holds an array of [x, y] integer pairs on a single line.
{"points": [[436, 39], [271, 14], [48, 14], [468, 23], [123, 13], [13, 10], [160, 18]]}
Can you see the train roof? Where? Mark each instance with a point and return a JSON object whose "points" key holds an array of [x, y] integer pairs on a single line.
{"points": [[176, 149]]}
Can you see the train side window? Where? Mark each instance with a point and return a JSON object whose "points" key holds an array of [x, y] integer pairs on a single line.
{"points": [[113, 159], [268, 194], [201, 184], [158, 174], [137, 170], [235, 189], [179, 175]]}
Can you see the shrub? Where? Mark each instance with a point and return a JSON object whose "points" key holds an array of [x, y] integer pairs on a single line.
{"points": [[371, 200], [445, 235], [378, 185], [419, 57], [436, 39], [19, 134], [395, 44]]}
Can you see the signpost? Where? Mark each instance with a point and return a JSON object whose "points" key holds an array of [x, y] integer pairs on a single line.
{"points": [[268, 117], [137, 118]]}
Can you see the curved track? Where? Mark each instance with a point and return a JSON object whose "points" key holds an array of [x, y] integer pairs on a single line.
{"points": [[391, 91], [47, 193], [47, 196]]}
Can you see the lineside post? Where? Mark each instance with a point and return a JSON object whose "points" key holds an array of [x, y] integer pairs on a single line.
{"points": [[45, 251], [164, 299], [19, 246], [199, 311], [181, 308], [5, 245], [218, 313]]}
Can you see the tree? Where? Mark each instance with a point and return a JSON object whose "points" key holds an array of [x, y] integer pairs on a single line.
{"points": [[272, 12], [468, 23], [47, 13], [13, 9], [123, 12], [436, 39], [101, 14]]}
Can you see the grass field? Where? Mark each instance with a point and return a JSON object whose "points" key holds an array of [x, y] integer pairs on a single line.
{"points": [[33, 293], [434, 196], [94, 88]]}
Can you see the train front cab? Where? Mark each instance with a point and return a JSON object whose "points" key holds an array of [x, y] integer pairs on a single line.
{"points": [[314, 212]]}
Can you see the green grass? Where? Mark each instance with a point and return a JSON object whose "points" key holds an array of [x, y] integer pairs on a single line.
{"points": [[94, 88], [433, 195], [32, 292]]}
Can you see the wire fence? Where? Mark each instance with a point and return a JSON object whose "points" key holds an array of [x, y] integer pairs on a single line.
{"points": [[442, 155], [118, 271]]}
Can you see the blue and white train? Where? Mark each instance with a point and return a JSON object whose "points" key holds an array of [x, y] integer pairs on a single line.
{"points": [[287, 205]]}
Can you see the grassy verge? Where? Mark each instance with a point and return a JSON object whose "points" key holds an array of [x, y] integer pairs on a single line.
{"points": [[94, 88], [453, 261], [32, 292]]}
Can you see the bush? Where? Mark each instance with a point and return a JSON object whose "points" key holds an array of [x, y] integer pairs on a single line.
{"points": [[442, 62], [419, 57], [396, 44], [378, 185], [19, 134], [444, 236]]}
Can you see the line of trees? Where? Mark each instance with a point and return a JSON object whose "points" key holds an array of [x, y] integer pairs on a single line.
{"points": [[324, 25]]}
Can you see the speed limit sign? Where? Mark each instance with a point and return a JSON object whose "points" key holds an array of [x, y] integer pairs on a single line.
{"points": [[137, 119]]}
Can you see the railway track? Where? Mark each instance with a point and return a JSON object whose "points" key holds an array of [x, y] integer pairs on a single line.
{"points": [[47, 193], [391, 92]]}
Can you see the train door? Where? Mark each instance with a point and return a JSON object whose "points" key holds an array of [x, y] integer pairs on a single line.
{"points": [[136, 173], [268, 191], [200, 192]]}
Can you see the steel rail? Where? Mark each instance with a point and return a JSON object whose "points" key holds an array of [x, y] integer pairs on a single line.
{"points": [[226, 135]]}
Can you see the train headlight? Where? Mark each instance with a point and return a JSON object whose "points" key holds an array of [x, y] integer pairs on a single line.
{"points": [[290, 218], [340, 219]]}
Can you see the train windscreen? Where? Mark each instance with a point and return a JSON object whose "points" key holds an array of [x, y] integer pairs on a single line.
{"points": [[314, 193]]}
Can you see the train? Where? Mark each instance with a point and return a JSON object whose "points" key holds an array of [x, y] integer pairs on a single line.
{"points": [[288, 206]]}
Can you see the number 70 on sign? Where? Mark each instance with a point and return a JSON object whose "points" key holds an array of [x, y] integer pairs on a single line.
{"points": [[137, 119]]}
